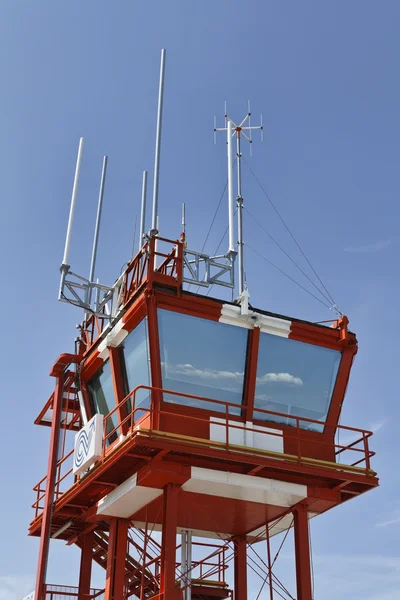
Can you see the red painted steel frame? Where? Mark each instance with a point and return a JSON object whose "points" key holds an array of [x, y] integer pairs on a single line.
{"points": [[302, 550], [168, 590], [119, 391], [116, 556], [240, 560], [50, 479], [85, 572]]}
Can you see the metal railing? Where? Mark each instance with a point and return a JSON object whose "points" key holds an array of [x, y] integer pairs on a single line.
{"points": [[145, 421], [150, 265], [128, 426], [209, 570], [67, 592]]}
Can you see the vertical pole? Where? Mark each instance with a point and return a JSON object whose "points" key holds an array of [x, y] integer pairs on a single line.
{"points": [[231, 204], [49, 494], [158, 145], [143, 210], [240, 576], [73, 202], [156, 244], [183, 218], [97, 228], [85, 573], [134, 237], [239, 202], [271, 591], [116, 559], [302, 549], [183, 573], [239, 164], [189, 565], [168, 542]]}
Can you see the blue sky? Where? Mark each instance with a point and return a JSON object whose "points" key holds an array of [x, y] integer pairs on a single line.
{"points": [[325, 76]]}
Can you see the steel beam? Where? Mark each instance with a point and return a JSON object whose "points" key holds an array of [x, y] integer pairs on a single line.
{"points": [[168, 589], [240, 576], [116, 558], [49, 494], [302, 549], [85, 573]]}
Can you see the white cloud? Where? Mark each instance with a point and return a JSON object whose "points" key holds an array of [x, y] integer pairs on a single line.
{"points": [[375, 427], [391, 518], [366, 576], [188, 370], [373, 247], [280, 378], [344, 437]]}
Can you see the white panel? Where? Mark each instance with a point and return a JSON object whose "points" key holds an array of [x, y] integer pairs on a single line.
{"points": [[244, 487], [263, 441], [218, 431], [274, 326], [253, 436], [114, 338], [231, 315], [279, 526], [88, 444], [117, 334], [127, 499]]}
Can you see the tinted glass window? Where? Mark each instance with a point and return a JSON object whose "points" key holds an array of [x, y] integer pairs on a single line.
{"points": [[137, 366], [295, 378], [102, 392], [203, 358]]}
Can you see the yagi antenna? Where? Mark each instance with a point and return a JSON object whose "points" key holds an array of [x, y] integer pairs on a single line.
{"points": [[242, 130]]}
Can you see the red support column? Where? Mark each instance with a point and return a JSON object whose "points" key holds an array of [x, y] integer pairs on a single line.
{"points": [[116, 559], [155, 361], [251, 372], [85, 573], [168, 590], [118, 384], [302, 549], [240, 568], [49, 494]]}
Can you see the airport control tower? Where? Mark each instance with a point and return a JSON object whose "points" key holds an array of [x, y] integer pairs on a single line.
{"points": [[185, 429]]}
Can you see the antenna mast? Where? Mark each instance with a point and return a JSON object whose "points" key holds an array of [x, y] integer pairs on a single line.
{"points": [[243, 130], [154, 227]]}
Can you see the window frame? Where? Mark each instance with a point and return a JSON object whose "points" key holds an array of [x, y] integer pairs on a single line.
{"points": [[144, 304], [195, 411], [123, 367]]}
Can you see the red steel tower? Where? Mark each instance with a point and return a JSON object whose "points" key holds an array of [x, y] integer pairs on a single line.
{"points": [[184, 429]]}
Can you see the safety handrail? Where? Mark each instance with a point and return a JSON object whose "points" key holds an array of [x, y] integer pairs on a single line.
{"points": [[130, 418], [130, 426]]}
